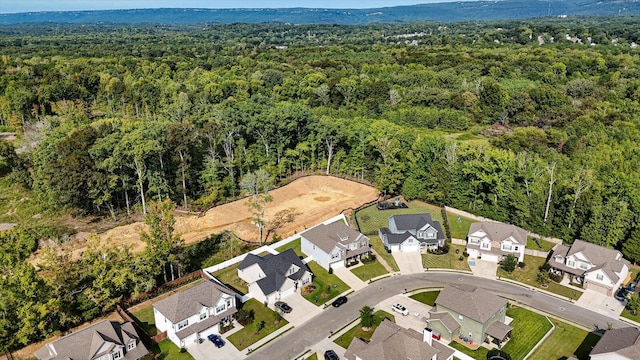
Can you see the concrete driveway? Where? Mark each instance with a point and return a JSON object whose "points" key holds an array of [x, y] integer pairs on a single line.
{"points": [[483, 268], [207, 351], [302, 309], [349, 278], [409, 262], [601, 303], [417, 311]]}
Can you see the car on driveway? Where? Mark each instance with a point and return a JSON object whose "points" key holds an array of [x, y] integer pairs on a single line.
{"points": [[339, 301], [216, 340], [622, 294], [330, 355], [399, 308], [283, 306]]}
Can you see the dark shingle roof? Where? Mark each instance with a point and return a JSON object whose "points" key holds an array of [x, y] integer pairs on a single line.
{"points": [[186, 303], [625, 341], [470, 301], [275, 268], [407, 222]]}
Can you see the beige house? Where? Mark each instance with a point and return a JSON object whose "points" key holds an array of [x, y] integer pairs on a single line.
{"points": [[493, 241], [332, 245], [618, 344]]}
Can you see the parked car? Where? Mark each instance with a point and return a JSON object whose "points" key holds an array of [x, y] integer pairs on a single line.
{"points": [[622, 294], [399, 308], [216, 340], [339, 301], [283, 306], [330, 355]]}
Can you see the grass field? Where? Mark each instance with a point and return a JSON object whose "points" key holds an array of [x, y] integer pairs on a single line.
{"points": [[564, 342], [446, 261], [378, 246], [165, 349], [295, 245], [144, 318], [529, 277], [480, 353], [247, 335], [539, 244], [528, 329], [369, 270], [229, 277], [327, 285], [356, 331], [427, 297]]}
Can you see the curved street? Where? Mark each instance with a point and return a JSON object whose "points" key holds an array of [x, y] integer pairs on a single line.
{"points": [[299, 339]]}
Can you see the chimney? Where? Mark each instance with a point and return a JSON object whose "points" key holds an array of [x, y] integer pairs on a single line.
{"points": [[427, 336]]}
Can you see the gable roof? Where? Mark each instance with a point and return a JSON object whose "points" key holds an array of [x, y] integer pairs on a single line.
{"points": [[445, 318], [609, 260], [85, 343], [499, 231], [470, 301], [406, 222], [189, 302], [275, 268], [328, 236], [625, 341]]}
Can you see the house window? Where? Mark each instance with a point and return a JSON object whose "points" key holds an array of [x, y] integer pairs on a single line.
{"points": [[131, 345], [600, 277], [183, 324], [486, 246], [460, 318], [571, 263], [292, 270], [583, 266], [506, 247], [305, 281], [335, 256], [203, 316], [220, 308], [229, 303], [515, 248], [116, 355], [410, 241]]}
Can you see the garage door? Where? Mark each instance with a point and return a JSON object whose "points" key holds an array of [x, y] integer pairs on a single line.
{"points": [[209, 331], [337, 264], [284, 294], [492, 258], [410, 248], [395, 248], [599, 288]]}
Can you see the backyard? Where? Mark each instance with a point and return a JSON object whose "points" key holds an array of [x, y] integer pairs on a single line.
{"points": [[539, 244], [566, 341], [369, 270], [295, 245], [446, 261], [144, 318], [229, 277], [427, 297], [248, 335], [327, 285], [378, 246], [356, 331], [165, 349]]}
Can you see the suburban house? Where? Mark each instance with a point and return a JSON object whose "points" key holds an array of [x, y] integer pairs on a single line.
{"points": [[470, 313], [596, 267], [618, 344], [493, 241], [194, 313], [332, 245], [412, 233], [274, 277], [105, 340], [391, 342]]}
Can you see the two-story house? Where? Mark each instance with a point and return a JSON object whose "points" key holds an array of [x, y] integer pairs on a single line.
{"points": [[412, 233], [331, 245], [493, 241], [105, 340], [194, 313], [596, 267], [471, 313], [273, 277], [618, 344]]}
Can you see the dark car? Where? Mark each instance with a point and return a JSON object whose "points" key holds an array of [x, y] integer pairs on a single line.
{"points": [[330, 355], [216, 340], [283, 306], [339, 301], [621, 294]]}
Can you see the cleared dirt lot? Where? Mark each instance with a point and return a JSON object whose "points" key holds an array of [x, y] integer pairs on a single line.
{"points": [[314, 198]]}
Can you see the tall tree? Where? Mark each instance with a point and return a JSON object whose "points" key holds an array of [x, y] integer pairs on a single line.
{"points": [[257, 184]]}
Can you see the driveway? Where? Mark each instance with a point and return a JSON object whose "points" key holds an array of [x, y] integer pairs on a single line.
{"points": [[483, 268], [409, 262], [302, 311], [347, 276], [207, 351], [601, 303], [417, 311]]}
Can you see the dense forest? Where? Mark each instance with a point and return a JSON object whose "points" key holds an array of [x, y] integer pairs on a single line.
{"points": [[531, 123]]}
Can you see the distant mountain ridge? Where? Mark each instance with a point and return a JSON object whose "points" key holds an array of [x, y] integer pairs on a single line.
{"points": [[446, 12]]}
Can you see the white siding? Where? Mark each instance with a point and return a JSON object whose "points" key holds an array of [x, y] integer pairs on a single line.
{"points": [[609, 356], [318, 255]]}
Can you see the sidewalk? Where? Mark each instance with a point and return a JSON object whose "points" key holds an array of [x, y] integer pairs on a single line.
{"points": [[349, 278]]}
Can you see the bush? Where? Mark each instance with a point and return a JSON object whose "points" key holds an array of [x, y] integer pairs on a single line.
{"points": [[465, 253], [522, 265], [461, 258], [509, 264], [544, 267], [330, 270], [245, 317], [556, 277]]}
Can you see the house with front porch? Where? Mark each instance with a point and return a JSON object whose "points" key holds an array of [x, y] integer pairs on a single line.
{"points": [[493, 241], [412, 233], [596, 267], [334, 244]]}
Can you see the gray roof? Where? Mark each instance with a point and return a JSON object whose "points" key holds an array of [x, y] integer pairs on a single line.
{"points": [[408, 222], [499, 231], [609, 260], [446, 319], [189, 302], [470, 301], [275, 268], [85, 343], [328, 236], [498, 330], [393, 238], [205, 324], [625, 341]]}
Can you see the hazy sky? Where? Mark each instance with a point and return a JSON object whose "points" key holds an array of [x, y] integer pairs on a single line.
{"points": [[13, 6]]}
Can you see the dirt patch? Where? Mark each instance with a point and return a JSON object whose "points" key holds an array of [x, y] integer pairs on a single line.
{"points": [[315, 198]]}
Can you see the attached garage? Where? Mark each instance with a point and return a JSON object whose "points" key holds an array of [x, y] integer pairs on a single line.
{"points": [[490, 257], [410, 246], [394, 247], [599, 288]]}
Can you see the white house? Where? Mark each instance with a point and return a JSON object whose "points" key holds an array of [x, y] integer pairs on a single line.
{"points": [[194, 313], [273, 277], [618, 344], [596, 267], [331, 245], [494, 241], [412, 233]]}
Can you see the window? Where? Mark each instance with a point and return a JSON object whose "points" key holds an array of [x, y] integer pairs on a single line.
{"points": [[292, 270], [183, 324], [131, 345], [485, 246], [506, 247], [583, 266], [515, 248], [203, 316], [305, 281], [460, 318], [229, 304], [220, 308], [335, 256], [571, 263], [116, 355], [600, 277]]}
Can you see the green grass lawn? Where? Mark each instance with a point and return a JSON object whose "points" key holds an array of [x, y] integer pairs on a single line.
{"points": [[480, 353], [459, 229], [446, 261], [168, 350], [229, 277], [314, 356], [566, 341], [529, 277], [378, 246], [295, 245], [427, 297], [327, 285], [539, 244], [247, 335], [144, 318], [528, 329], [369, 270], [356, 331]]}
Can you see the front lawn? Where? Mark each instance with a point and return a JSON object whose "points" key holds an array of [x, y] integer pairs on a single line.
{"points": [[446, 261], [356, 331], [144, 318], [314, 356], [369, 270], [427, 297], [165, 349], [378, 246], [528, 329], [295, 245], [247, 336], [539, 244], [327, 285], [564, 342], [229, 277], [529, 276]]}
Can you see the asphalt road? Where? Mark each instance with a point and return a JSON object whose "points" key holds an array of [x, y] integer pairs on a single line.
{"points": [[299, 339]]}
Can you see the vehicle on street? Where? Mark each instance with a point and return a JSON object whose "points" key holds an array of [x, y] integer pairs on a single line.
{"points": [[216, 340], [330, 355], [399, 308], [283, 306], [339, 301]]}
